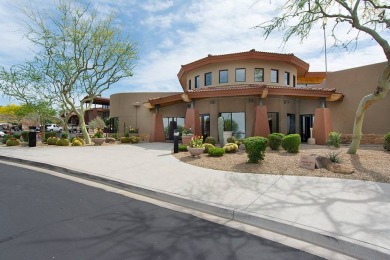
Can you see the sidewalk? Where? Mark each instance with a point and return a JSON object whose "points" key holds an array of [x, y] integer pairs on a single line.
{"points": [[349, 216]]}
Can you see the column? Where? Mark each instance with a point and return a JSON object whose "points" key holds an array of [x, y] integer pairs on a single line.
{"points": [[157, 132], [260, 123], [192, 121], [322, 125]]}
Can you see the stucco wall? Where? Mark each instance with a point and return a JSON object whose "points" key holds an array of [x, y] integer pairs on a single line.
{"points": [[355, 84]]}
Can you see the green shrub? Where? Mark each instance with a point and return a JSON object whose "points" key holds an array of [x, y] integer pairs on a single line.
{"points": [[333, 157], [291, 143], [64, 135], [115, 136], [25, 135], [231, 148], [13, 142], [255, 148], [207, 146], [239, 142], [62, 142], [275, 140], [386, 145], [134, 139], [48, 135], [78, 140], [52, 140], [231, 140], [125, 140], [5, 138], [210, 140], [334, 139], [16, 136], [127, 134], [76, 143], [182, 147], [216, 152]]}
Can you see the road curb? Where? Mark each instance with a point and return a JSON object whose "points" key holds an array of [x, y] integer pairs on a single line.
{"points": [[335, 242]]}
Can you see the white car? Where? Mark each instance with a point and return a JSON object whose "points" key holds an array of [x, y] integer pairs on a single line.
{"points": [[2, 134], [53, 128]]}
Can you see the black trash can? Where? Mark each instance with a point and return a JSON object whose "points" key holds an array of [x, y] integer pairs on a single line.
{"points": [[32, 136]]}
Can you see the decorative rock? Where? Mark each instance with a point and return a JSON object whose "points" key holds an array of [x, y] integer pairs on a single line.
{"points": [[324, 162]]}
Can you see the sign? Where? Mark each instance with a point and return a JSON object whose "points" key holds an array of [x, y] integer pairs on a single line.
{"points": [[308, 162]]}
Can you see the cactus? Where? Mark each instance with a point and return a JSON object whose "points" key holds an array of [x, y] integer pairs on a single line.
{"points": [[220, 130]]}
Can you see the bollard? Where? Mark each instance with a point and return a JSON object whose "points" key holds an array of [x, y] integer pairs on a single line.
{"points": [[175, 141], [32, 136]]}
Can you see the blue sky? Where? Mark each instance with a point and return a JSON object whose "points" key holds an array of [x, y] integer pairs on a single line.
{"points": [[170, 33]]}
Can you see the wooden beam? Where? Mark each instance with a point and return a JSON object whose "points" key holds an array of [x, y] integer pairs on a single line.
{"points": [[186, 98], [265, 93], [335, 97]]}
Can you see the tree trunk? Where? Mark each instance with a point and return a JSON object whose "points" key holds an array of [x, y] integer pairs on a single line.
{"points": [[84, 128], [380, 93]]}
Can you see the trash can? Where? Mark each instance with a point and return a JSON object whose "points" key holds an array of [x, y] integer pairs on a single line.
{"points": [[32, 136]]}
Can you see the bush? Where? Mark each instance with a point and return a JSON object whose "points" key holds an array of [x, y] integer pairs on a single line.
{"points": [[275, 140], [386, 145], [255, 148], [25, 136], [62, 142], [76, 143], [115, 136], [230, 147], [334, 139], [64, 135], [78, 140], [210, 140], [207, 146], [5, 138], [333, 157], [216, 152], [125, 140], [52, 140], [16, 136], [48, 135], [13, 142], [182, 147], [291, 143], [231, 140], [134, 139]]}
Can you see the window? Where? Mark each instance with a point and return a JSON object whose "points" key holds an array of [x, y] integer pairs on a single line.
{"points": [[113, 124], [273, 121], [294, 81], [207, 79], [234, 122], [240, 75], [172, 123], [291, 124], [223, 76], [274, 76], [287, 78], [197, 82], [189, 85], [259, 75]]}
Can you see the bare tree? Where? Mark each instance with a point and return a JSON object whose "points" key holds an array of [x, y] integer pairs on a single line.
{"points": [[369, 16]]}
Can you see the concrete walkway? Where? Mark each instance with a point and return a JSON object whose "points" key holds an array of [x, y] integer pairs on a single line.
{"points": [[352, 217]]}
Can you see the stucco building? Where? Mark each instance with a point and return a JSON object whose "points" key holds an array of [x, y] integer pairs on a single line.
{"points": [[256, 93]]}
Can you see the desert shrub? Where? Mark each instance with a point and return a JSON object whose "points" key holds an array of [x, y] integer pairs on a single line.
{"points": [[255, 148], [207, 146], [334, 139], [62, 142], [25, 136], [216, 152], [275, 140], [52, 140], [182, 147], [115, 136], [210, 140], [12, 142], [97, 123], [16, 136], [5, 138], [64, 135], [386, 145], [48, 135], [239, 142], [76, 143], [127, 134], [231, 148], [134, 139], [291, 143], [334, 157], [125, 140], [78, 140], [231, 140]]}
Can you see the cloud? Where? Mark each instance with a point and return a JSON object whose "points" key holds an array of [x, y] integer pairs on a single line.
{"points": [[157, 6]]}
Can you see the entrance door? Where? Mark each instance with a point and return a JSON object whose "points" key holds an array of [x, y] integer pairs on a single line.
{"points": [[306, 122], [205, 125]]}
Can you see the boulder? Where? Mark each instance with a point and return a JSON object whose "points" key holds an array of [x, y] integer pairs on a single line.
{"points": [[324, 162]]}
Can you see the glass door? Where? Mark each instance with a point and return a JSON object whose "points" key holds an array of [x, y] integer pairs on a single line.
{"points": [[306, 122]]}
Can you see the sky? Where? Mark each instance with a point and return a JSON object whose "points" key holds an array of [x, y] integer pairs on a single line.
{"points": [[170, 33]]}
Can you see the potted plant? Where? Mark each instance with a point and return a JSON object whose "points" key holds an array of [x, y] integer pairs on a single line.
{"points": [[195, 147], [186, 135], [98, 137]]}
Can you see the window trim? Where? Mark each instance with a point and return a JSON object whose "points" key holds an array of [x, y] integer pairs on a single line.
{"points": [[244, 74], [205, 78], [254, 75], [227, 76], [288, 78], [277, 75]]}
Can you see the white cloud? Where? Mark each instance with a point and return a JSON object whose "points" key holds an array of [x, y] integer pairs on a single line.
{"points": [[157, 6]]}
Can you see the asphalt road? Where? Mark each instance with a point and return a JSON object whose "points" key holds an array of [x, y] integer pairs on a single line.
{"points": [[46, 217]]}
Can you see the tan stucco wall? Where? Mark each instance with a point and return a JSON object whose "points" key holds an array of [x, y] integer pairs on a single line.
{"points": [[249, 65], [355, 84]]}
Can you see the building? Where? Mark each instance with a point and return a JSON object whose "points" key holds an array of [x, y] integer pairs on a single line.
{"points": [[256, 93]]}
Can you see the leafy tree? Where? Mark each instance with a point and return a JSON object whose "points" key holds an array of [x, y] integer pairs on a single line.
{"points": [[370, 16]]}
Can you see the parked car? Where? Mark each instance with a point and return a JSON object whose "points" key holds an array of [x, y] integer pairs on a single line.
{"points": [[53, 128], [2, 134]]}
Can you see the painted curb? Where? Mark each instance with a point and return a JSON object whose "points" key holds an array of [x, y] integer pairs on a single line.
{"points": [[335, 242]]}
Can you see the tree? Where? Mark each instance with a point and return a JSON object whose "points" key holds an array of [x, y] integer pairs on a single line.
{"points": [[370, 16], [78, 56]]}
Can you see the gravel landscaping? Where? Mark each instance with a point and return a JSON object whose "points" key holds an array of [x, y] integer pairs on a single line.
{"points": [[371, 163]]}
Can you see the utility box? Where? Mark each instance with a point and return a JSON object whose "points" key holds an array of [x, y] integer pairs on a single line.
{"points": [[32, 136]]}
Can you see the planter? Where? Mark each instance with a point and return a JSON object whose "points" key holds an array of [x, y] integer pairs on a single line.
{"points": [[195, 151], [226, 135], [98, 141], [185, 139]]}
